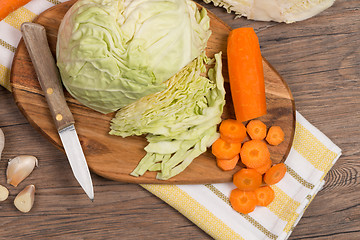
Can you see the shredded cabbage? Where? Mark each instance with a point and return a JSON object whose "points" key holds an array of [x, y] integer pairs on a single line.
{"points": [[111, 53], [180, 121]]}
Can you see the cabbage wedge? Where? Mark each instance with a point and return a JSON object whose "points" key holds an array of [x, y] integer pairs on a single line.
{"points": [[180, 122]]}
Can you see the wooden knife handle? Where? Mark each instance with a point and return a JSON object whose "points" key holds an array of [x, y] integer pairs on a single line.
{"points": [[35, 39]]}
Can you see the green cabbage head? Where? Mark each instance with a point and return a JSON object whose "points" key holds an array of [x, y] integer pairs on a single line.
{"points": [[112, 52]]}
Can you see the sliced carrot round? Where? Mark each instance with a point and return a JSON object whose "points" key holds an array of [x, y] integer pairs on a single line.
{"points": [[275, 135], [254, 153], [265, 195], [243, 201], [262, 169], [256, 129], [247, 179], [225, 150], [275, 174], [227, 165], [232, 130]]}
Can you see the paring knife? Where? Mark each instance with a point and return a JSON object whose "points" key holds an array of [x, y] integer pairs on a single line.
{"points": [[35, 39]]}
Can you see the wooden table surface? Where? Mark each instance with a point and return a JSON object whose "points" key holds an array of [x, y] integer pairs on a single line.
{"points": [[320, 60]]}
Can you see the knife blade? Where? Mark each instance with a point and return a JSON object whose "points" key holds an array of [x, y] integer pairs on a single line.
{"points": [[35, 39]]}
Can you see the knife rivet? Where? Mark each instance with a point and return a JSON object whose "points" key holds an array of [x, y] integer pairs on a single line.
{"points": [[59, 117], [50, 91]]}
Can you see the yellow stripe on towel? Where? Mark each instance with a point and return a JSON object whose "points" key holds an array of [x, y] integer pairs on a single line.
{"points": [[312, 149], [290, 225], [283, 205], [193, 210], [16, 18], [4, 77]]}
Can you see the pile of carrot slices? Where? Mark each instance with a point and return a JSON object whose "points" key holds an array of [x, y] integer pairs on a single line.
{"points": [[246, 77], [253, 182]]}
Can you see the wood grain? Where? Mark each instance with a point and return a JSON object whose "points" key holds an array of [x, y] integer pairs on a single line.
{"points": [[115, 157], [320, 60]]}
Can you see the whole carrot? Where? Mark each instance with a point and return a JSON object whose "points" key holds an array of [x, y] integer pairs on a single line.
{"points": [[246, 74], [8, 6]]}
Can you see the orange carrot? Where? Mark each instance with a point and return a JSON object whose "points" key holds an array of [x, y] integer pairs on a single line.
{"points": [[8, 6], [256, 129], [265, 195], [275, 135], [227, 165], [225, 150], [247, 179], [243, 201], [232, 130], [254, 153], [262, 169], [246, 74], [275, 174]]}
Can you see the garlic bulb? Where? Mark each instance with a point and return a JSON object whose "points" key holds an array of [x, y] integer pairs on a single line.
{"points": [[24, 201], [2, 141], [19, 168], [4, 193]]}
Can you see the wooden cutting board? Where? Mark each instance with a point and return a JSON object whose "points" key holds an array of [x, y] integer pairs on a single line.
{"points": [[114, 157]]}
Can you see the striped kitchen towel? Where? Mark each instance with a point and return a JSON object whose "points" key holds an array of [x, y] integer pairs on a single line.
{"points": [[311, 157], [10, 33]]}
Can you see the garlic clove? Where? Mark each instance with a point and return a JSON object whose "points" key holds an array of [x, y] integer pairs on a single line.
{"points": [[24, 201], [4, 193], [19, 168]]}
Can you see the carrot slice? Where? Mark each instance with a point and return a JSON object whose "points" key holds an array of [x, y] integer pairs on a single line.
{"points": [[225, 150], [256, 129], [8, 6], [247, 179], [227, 165], [275, 174], [232, 130], [265, 195], [243, 201], [246, 75], [275, 135], [262, 169], [254, 153]]}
